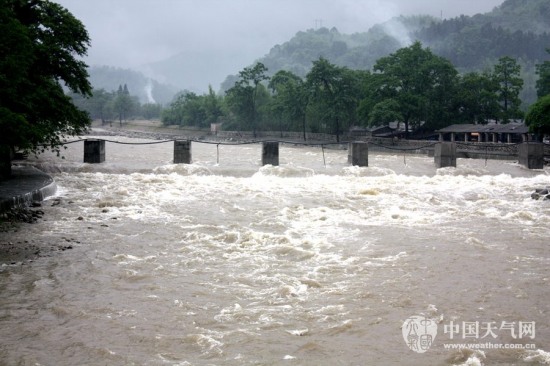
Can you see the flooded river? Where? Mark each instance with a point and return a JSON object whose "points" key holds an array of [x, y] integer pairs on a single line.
{"points": [[232, 263]]}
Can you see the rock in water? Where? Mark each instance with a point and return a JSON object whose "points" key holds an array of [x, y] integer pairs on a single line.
{"points": [[541, 193]]}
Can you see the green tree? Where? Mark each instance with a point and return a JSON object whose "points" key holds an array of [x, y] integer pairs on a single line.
{"points": [[477, 98], [291, 98], [369, 87], [507, 74], [385, 112], [213, 107], [186, 110], [538, 116], [173, 115], [98, 105], [151, 110], [123, 104], [40, 42], [419, 82], [120, 104], [193, 111], [190, 109], [543, 83], [335, 89], [244, 97], [441, 91]]}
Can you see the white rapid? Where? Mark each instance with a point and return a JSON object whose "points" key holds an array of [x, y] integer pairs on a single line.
{"points": [[301, 264]]}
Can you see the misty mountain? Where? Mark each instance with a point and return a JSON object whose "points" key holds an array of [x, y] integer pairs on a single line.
{"points": [[474, 42], [146, 89], [518, 28], [356, 51], [520, 15]]}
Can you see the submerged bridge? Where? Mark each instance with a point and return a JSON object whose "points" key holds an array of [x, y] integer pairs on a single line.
{"points": [[529, 154]]}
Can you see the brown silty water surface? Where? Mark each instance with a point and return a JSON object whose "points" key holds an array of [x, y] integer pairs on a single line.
{"points": [[301, 264]]}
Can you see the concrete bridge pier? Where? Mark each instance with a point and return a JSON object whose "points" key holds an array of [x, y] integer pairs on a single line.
{"points": [[359, 154], [270, 153], [182, 152], [445, 154], [94, 151], [531, 155]]}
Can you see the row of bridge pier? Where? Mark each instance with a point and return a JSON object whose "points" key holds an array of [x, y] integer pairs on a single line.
{"points": [[530, 154]]}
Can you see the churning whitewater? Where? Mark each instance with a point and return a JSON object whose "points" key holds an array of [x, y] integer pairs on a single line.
{"points": [[301, 264]]}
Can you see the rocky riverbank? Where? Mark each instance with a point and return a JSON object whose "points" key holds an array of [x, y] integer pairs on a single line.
{"points": [[15, 248]]}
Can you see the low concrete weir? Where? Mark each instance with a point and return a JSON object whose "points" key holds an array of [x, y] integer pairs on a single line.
{"points": [[529, 154], [445, 155], [270, 153], [360, 154], [182, 152], [94, 151], [28, 184]]}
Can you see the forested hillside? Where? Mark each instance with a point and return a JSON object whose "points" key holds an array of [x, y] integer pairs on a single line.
{"points": [[471, 44], [519, 29], [520, 15], [356, 51]]}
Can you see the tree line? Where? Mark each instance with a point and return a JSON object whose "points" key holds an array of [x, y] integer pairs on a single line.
{"points": [[115, 105], [412, 86], [467, 43], [516, 28]]}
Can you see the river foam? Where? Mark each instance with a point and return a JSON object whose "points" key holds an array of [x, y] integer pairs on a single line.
{"points": [[233, 263]]}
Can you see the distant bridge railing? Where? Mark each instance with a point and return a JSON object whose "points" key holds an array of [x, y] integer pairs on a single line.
{"points": [[473, 150], [381, 144]]}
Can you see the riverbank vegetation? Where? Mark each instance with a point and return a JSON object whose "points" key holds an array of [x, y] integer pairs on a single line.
{"points": [[412, 86], [119, 105], [468, 69], [42, 45]]}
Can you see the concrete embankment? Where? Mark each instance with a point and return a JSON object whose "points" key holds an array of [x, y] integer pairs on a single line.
{"points": [[25, 186]]}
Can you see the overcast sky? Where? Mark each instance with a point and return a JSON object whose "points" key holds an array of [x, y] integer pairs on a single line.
{"points": [[129, 33]]}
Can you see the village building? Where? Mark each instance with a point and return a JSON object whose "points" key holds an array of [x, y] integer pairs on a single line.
{"points": [[503, 133]]}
